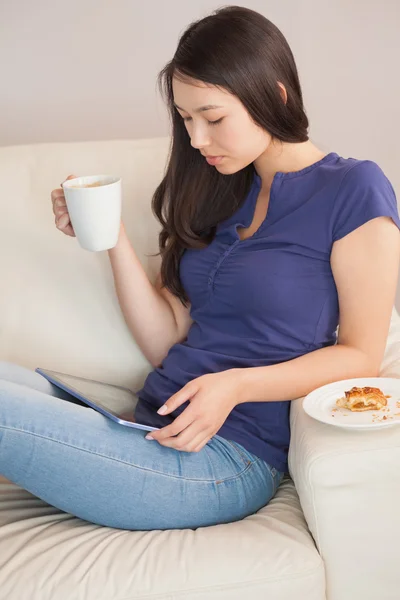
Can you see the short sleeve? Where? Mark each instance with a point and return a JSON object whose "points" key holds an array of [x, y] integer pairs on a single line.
{"points": [[364, 194]]}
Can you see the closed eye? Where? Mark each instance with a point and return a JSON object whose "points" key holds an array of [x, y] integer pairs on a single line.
{"points": [[210, 122]]}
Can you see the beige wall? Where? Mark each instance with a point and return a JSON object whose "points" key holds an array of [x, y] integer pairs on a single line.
{"points": [[86, 69]]}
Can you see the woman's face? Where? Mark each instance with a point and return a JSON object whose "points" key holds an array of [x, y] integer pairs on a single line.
{"points": [[233, 135]]}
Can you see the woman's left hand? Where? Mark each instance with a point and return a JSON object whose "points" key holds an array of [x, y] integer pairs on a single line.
{"points": [[212, 397]]}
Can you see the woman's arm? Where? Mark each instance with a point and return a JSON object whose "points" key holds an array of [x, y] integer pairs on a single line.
{"points": [[365, 265], [155, 317]]}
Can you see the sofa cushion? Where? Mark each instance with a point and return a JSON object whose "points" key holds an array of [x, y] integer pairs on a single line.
{"points": [[58, 305], [46, 554]]}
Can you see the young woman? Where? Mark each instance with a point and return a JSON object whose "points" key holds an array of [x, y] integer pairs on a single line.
{"points": [[268, 244]]}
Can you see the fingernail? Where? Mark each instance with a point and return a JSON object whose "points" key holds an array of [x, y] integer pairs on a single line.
{"points": [[149, 437], [162, 410]]}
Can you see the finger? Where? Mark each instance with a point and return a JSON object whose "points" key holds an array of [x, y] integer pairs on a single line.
{"points": [[56, 195], [199, 438], [69, 177], [64, 224], [60, 201], [202, 444], [179, 424], [188, 439], [69, 230], [184, 394], [60, 210], [62, 221]]}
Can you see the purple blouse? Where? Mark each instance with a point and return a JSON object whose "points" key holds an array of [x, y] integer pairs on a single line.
{"points": [[271, 297]]}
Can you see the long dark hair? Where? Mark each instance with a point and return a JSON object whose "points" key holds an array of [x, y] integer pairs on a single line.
{"points": [[240, 50]]}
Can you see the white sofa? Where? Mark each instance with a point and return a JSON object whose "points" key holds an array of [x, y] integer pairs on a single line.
{"points": [[332, 530]]}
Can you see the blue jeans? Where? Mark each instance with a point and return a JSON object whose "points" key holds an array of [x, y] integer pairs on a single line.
{"points": [[85, 464]]}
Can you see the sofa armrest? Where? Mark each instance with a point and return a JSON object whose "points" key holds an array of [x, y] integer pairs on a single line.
{"points": [[349, 488]]}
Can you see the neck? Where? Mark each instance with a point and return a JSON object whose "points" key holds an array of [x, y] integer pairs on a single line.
{"points": [[286, 158]]}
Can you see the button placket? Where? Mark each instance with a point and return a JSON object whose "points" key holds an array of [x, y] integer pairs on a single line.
{"points": [[220, 261]]}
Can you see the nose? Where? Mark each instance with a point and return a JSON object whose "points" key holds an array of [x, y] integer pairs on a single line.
{"points": [[199, 139]]}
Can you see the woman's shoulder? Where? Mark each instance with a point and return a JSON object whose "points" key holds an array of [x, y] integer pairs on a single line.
{"points": [[358, 173], [364, 192]]}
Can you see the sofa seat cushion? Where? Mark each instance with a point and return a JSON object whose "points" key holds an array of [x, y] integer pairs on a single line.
{"points": [[46, 554]]}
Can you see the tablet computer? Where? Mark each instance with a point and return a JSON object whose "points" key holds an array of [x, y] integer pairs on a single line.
{"points": [[115, 402]]}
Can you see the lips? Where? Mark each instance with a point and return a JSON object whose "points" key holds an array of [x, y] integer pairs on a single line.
{"points": [[214, 160]]}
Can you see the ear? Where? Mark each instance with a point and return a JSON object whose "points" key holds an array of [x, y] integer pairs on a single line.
{"points": [[283, 92]]}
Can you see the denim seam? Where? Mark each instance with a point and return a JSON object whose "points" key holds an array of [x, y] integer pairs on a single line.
{"points": [[272, 470], [247, 467], [239, 450]]}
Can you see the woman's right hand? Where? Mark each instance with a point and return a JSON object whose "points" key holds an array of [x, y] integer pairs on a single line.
{"points": [[60, 210]]}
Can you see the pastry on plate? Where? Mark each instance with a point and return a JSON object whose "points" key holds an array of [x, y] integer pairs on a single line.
{"points": [[363, 398]]}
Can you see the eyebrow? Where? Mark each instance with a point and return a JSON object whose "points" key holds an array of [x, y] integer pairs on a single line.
{"points": [[201, 108]]}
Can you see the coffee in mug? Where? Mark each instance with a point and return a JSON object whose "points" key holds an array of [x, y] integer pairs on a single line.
{"points": [[87, 185]]}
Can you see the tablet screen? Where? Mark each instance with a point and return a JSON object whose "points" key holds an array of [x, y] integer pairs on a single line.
{"points": [[119, 401]]}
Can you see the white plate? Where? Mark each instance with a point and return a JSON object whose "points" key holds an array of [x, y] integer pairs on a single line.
{"points": [[321, 404]]}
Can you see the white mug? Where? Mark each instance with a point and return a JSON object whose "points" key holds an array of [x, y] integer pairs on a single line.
{"points": [[95, 212]]}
